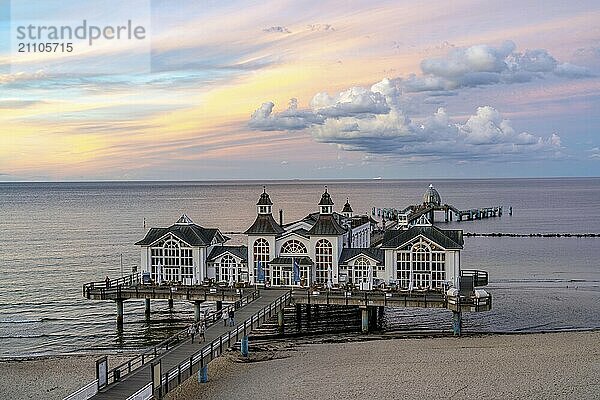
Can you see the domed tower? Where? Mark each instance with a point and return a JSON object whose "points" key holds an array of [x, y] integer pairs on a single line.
{"points": [[264, 206], [347, 211], [326, 204], [432, 197]]}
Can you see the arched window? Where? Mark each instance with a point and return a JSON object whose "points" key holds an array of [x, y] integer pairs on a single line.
{"points": [[424, 263], [227, 269], [261, 254], [172, 259], [360, 271], [293, 247], [323, 260]]}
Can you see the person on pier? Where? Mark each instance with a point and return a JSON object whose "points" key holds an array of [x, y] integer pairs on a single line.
{"points": [[225, 316], [202, 331]]}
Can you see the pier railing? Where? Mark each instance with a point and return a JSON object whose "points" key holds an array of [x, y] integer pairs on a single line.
{"points": [[124, 281], [480, 278], [176, 375], [119, 372]]}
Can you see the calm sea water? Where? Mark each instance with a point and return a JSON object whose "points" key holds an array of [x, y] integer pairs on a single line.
{"points": [[56, 236]]}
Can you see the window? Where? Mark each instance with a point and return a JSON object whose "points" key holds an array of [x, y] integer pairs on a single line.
{"points": [[424, 263], [227, 269], [323, 260], [261, 254], [293, 247], [360, 271], [173, 260]]}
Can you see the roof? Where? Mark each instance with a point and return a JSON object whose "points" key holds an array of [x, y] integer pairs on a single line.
{"points": [[238, 251], [288, 261], [432, 196], [446, 238], [326, 199], [347, 207], [300, 232], [264, 200], [326, 225], [264, 224], [192, 234], [372, 252]]}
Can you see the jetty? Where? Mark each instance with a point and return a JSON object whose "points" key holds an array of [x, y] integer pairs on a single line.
{"points": [[326, 260]]}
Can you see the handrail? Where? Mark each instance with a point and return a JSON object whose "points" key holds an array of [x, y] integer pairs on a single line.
{"points": [[129, 280], [144, 393], [215, 348], [84, 392], [157, 350]]}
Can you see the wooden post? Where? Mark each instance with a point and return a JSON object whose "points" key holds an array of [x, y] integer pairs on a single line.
{"points": [[280, 320], [456, 322], [364, 312], [244, 346], [119, 312], [147, 308], [170, 304]]}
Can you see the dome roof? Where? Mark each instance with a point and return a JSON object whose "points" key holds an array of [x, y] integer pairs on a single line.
{"points": [[432, 197], [347, 207], [326, 199], [264, 200]]}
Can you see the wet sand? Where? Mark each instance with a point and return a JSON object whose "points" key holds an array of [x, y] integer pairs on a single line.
{"points": [[528, 366]]}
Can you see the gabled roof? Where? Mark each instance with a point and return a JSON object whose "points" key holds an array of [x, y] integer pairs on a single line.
{"points": [[326, 225], [300, 232], [264, 224], [446, 238], [238, 251], [303, 260], [192, 234], [372, 252]]}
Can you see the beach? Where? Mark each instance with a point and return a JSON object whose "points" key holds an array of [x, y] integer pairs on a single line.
{"points": [[49, 378], [564, 365]]}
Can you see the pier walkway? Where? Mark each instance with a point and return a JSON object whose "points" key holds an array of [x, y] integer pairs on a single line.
{"points": [[187, 358]]}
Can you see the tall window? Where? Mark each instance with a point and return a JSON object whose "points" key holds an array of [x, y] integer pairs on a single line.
{"points": [[360, 271], [323, 260], [261, 254], [227, 269], [427, 263], [174, 259], [293, 247]]}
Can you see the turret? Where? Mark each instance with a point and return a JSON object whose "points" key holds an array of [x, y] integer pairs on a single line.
{"points": [[326, 204]]}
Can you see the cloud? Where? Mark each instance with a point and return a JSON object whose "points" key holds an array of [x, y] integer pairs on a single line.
{"points": [[486, 135], [321, 27], [291, 119], [595, 153], [277, 29], [482, 65], [355, 101]]}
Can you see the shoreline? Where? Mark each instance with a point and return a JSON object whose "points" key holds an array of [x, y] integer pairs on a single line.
{"points": [[521, 366], [54, 377]]}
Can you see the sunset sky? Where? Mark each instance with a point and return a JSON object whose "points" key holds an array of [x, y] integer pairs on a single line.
{"points": [[307, 89]]}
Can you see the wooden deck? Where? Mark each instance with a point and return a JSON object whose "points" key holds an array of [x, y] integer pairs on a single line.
{"points": [[199, 353]]}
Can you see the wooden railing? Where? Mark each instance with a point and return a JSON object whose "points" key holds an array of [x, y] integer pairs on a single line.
{"points": [[176, 375], [125, 281]]}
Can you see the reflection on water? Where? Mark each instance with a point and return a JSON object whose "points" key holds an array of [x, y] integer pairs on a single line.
{"points": [[55, 237]]}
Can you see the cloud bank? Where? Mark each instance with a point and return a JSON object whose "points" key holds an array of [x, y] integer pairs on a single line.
{"points": [[376, 121]]}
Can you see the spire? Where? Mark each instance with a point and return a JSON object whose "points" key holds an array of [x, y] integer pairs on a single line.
{"points": [[326, 204], [264, 204], [184, 220]]}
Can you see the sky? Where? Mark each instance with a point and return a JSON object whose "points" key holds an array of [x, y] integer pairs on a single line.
{"points": [[304, 90]]}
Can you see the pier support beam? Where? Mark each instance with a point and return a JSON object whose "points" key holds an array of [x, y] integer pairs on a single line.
{"points": [[298, 317], [244, 346], [170, 304], [203, 374], [219, 305], [456, 323], [119, 312], [147, 308], [197, 311], [280, 321], [364, 313]]}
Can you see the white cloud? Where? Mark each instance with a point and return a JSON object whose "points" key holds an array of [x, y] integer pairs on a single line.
{"points": [[487, 65], [277, 29], [355, 101], [291, 119]]}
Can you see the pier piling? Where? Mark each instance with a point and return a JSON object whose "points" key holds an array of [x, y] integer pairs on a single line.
{"points": [[170, 304], [456, 322], [364, 313], [147, 308], [203, 374], [197, 311], [119, 312], [280, 326], [244, 346]]}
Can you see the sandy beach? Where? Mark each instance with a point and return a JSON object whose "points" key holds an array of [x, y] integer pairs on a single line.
{"points": [[528, 366], [49, 378]]}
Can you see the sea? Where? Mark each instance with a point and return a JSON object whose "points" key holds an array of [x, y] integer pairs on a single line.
{"points": [[54, 237]]}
